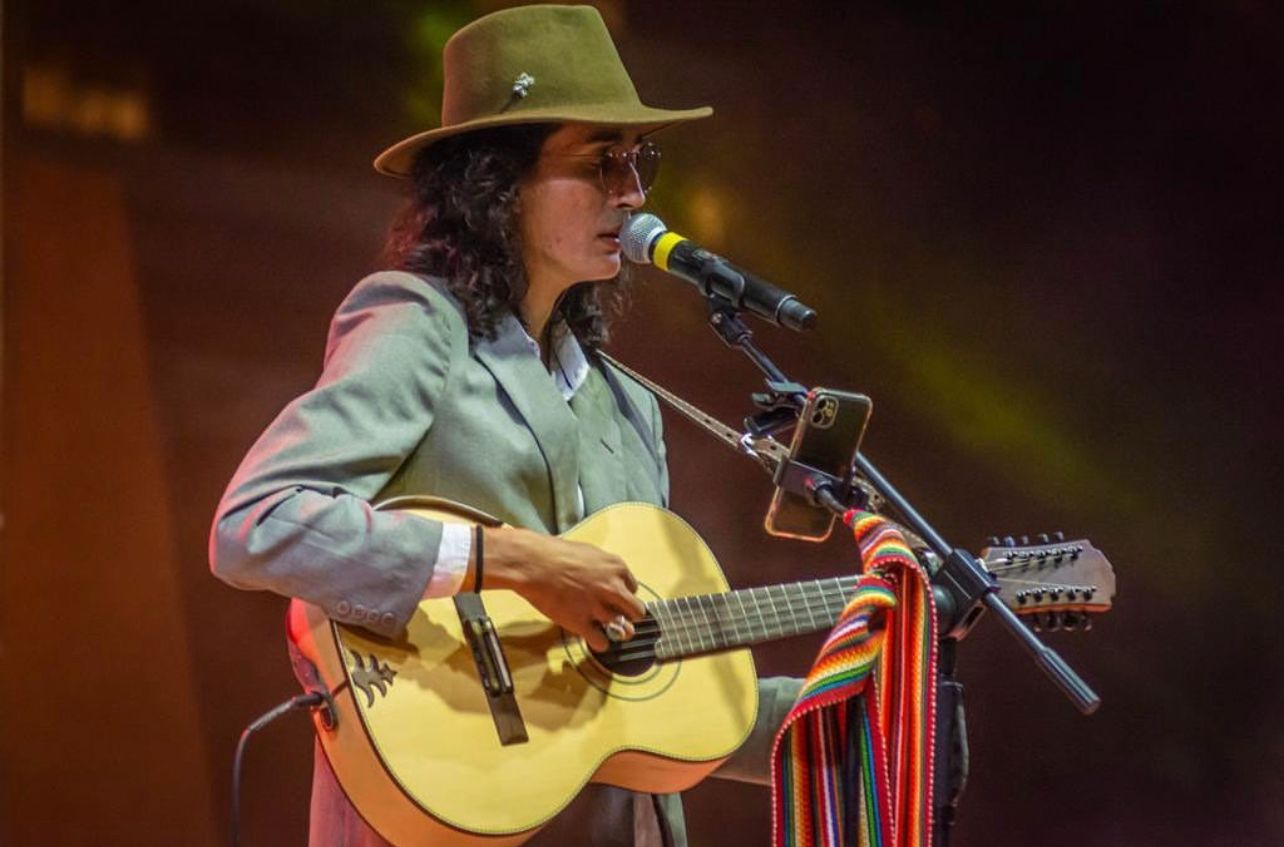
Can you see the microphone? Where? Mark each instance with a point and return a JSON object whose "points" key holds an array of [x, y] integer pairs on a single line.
{"points": [[645, 240]]}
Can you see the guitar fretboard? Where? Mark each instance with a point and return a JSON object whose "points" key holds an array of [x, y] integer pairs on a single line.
{"points": [[709, 623]]}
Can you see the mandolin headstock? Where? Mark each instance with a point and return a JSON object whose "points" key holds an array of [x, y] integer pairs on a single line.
{"points": [[1057, 584]]}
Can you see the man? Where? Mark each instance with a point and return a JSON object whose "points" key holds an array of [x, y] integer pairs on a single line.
{"points": [[469, 372]]}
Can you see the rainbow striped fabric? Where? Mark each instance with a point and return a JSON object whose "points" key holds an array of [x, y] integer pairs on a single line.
{"points": [[852, 763]]}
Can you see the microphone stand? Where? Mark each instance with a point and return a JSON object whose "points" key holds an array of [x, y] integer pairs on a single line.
{"points": [[962, 588]]}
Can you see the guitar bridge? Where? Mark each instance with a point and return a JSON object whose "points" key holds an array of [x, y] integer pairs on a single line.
{"points": [[492, 668], [492, 665]]}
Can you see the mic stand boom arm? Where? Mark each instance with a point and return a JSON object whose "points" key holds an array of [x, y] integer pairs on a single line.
{"points": [[961, 586]]}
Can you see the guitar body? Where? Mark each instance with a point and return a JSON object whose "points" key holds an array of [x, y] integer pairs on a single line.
{"points": [[415, 747]]}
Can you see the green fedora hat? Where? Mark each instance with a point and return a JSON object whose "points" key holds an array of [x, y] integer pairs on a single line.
{"points": [[533, 64]]}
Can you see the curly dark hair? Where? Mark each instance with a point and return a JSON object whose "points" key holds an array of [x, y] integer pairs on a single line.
{"points": [[460, 224]]}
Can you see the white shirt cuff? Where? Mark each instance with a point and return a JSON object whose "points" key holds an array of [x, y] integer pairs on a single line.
{"points": [[452, 560]]}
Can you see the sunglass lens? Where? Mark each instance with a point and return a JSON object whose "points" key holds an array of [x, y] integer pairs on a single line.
{"points": [[624, 170], [648, 164]]}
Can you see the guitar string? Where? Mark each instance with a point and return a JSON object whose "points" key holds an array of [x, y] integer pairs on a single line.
{"points": [[1031, 565], [696, 632], [685, 626], [691, 627], [793, 604], [644, 647], [683, 622], [733, 633], [703, 620], [686, 622]]}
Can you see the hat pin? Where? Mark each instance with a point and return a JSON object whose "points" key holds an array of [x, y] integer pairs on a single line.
{"points": [[521, 85]]}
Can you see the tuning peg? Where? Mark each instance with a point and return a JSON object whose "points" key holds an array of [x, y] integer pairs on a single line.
{"points": [[1043, 538], [1059, 536], [1087, 622], [1053, 622], [1025, 541], [992, 541], [1069, 621], [1009, 541]]}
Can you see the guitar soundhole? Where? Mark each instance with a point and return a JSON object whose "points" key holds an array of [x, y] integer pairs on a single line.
{"points": [[619, 660]]}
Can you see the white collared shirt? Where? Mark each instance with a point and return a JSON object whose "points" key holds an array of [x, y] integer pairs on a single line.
{"points": [[570, 368]]}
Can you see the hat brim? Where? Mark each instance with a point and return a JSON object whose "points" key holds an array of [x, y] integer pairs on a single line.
{"points": [[397, 160]]}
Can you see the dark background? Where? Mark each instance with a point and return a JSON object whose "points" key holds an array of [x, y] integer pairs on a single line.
{"points": [[1044, 237]]}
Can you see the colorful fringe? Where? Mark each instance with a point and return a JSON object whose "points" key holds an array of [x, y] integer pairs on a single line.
{"points": [[819, 770]]}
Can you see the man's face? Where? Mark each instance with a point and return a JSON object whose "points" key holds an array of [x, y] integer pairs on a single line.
{"points": [[569, 220]]}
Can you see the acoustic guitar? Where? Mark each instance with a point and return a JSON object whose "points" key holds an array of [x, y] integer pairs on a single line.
{"points": [[416, 748]]}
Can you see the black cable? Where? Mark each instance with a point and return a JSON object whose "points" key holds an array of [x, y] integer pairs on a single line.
{"points": [[311, 700]]}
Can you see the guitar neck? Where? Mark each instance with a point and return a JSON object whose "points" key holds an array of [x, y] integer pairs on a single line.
{"points": [[711, 623]]}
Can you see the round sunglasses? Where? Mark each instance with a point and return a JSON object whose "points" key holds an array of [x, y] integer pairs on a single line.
{"points": [[621, 169]]}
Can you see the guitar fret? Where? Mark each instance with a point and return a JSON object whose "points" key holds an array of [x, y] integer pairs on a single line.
{"points": [[788, 624], [718, 621], [742, 619], [665, 643], [811, 619], [837, 599], [693, 625], [701, 620], [680, 627], [757, 622], [762, 629], [777, 623], [707, 623], [721, 623]]}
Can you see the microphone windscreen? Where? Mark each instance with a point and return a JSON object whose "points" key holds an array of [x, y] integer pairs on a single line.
{"points": [[637, 236]]}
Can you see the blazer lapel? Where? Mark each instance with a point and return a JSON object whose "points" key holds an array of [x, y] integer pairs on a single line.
{"points": [[528, 385], [601, 450]]}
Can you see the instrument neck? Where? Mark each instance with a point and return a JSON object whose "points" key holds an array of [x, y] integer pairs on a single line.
{"points": [[711, 623]]}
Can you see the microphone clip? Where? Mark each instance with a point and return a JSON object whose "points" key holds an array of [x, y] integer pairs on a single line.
{"points": [[781, 404]]}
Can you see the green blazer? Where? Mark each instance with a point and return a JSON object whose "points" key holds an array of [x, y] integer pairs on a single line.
{"points": [[408, 404]]}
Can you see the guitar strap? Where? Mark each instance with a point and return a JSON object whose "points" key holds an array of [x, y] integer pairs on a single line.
{"points": [[768, 452], [707, 422]]}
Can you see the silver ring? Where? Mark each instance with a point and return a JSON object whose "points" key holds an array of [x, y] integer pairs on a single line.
{"points": [[615, 628]]}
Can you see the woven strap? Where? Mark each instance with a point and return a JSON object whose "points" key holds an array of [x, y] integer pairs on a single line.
{"points": [[852, 763]]}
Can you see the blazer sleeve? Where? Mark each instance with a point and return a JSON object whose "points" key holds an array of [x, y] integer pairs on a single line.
{"points": [[752, 762], [296, 517]]}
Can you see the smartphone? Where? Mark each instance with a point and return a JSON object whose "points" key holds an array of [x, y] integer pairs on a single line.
{"points": [[827, 438]]}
